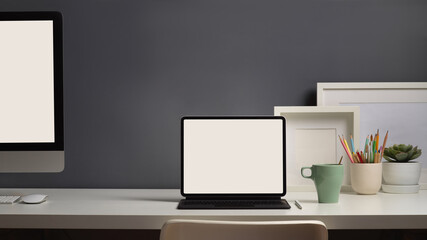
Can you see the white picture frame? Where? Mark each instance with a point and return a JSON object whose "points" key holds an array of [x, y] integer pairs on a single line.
{"points": [[312, 138], [397, 107]]}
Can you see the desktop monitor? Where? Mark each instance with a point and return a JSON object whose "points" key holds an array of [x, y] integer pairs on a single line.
{"points": [[31, 98]]}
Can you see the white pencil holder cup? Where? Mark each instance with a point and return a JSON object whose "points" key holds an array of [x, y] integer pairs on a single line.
{"points": [[366, 177]]}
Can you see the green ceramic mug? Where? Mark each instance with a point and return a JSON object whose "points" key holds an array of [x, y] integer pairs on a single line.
{"points": [[327, 179]]}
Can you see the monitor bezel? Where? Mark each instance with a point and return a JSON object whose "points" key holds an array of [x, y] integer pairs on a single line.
{"points": [[233, 195], [58, 144]]}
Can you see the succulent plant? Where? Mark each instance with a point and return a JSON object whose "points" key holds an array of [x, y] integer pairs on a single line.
{"points": [[401, 153]]}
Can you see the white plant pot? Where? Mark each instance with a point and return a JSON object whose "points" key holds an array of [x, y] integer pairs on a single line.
{"points": [[401, 173]]}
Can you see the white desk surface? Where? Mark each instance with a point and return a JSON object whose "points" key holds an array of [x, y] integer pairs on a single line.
{"points": [[150, 208]]}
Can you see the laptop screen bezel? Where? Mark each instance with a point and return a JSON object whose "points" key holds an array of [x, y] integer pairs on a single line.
{"points": [[233, 195]]}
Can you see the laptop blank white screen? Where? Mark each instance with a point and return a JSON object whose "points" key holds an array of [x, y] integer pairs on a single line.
{"points": [[233, 156]]}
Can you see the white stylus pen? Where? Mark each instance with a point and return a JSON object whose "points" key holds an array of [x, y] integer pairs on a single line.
{"points": [[298, 204]]}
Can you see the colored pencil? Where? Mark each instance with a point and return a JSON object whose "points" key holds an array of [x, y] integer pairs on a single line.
{"points": [[360, 157], [346, 150], [366, 144], [355, 158], [368, 157], [352, 144], [373, 145], [345, 141], [384, 144], [377, 140]]}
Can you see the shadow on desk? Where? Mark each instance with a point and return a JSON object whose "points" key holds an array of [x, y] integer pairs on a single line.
{"points": [[85, 234], [139, 199]]}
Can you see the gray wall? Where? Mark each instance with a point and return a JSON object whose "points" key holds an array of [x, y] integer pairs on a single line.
{"points": [[132, 68]]}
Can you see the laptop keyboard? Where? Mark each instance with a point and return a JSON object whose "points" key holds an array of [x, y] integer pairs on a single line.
{"points": [[233, 204]]}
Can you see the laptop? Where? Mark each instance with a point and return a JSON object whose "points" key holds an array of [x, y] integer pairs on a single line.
{"points": [[233, 163]]}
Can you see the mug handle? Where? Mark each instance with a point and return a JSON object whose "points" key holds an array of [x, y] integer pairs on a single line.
{"points": [[305, 176]]}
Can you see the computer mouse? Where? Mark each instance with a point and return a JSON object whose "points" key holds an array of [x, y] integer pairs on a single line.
{"points": [[34, 198]]}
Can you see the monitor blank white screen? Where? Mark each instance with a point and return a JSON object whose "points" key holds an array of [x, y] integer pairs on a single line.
{"points": [[233, 156], [26, 82]]}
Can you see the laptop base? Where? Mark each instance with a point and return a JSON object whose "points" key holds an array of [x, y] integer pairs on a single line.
{"points": [[233, 204]]}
